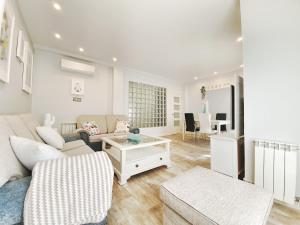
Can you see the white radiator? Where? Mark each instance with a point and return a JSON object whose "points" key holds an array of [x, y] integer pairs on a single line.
{"points": [[276, 168]]}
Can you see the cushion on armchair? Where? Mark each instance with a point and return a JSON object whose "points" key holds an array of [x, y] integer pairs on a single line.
{"points": [[12, 196]]}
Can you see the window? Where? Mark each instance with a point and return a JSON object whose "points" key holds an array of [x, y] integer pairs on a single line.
{"points": [[147, 105]]}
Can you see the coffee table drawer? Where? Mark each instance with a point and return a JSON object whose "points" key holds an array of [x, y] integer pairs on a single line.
{"points": [[147, 163]]}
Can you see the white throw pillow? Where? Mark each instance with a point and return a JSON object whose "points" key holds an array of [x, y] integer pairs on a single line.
{"points": [[51, 137], [29, 152], [122, 126]]}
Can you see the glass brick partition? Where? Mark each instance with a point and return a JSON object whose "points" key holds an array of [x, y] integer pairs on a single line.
{"points": [[147, 105]]}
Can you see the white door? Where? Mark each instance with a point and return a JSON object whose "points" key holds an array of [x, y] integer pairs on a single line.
{"points": [[177, 113]]}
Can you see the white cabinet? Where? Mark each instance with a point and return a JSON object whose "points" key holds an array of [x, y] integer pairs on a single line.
{"points": [[227, 154]]}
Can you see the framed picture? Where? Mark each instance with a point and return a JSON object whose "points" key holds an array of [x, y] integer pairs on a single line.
{"points": [[6, 43], [28, 68], [77, 87], [20, 46]]}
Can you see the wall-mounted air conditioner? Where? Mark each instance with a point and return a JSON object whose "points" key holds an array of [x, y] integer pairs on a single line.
{"points": [[71, 65]]}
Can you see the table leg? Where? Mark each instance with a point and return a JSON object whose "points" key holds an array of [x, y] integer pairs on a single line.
{"points": [[103, 145], [219, 128], [122, 178], [167, 147]]}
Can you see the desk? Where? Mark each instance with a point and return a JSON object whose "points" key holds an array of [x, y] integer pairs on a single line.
{"points": [[219, 123]]}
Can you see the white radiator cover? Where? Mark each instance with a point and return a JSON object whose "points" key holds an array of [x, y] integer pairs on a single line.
{"points": [[276, 168]]}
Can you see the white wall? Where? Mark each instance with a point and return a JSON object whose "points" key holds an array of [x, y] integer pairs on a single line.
{"points": [[12, 98], [193, 93], [220, 102], [118, 91], [272, 73], [106, 92], [52, 89], [173, 89]]}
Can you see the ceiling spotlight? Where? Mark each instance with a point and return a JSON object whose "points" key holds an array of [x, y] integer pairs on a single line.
{"points": [[195, 78], [56, 6], [215, 73], [57, 36], [81, 49], [242, 65], [240, 39], [114, 59]]}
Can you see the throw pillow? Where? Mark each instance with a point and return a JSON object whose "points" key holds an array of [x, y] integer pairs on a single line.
{"points": [[29, 152], [51, 137], [122, 126], [91, 127]]}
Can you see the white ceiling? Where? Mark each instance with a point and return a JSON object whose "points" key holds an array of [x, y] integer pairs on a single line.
{"points": [[179, 39]]}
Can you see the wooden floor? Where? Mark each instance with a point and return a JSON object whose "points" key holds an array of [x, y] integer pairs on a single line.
{"points": [[138, 203]]}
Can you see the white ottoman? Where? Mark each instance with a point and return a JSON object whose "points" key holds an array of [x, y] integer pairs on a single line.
{"points": [[202, 196]]}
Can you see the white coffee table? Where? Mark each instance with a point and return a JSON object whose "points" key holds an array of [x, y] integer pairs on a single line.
{"points": [[129, 158]]}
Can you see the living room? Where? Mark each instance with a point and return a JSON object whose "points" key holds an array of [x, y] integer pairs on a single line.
{"points": [[131, 106]]}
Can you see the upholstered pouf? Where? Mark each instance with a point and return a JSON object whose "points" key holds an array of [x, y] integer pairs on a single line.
{"points": [[203, 197]]}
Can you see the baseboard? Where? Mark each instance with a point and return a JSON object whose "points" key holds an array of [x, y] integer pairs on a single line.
{"points": [[248, 181], [294, 206]]}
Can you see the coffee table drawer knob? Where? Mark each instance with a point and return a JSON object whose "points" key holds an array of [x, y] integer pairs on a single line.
{"points": [[137, 165]]}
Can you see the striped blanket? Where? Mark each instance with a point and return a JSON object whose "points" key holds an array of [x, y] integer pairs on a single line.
{"points": [[70, 191]]}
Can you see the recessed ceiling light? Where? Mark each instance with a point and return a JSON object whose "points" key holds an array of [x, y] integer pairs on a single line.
{"points": [[242, 65], [57, 36], [56, 6], [81, 49], [114, 59], [240, 39], [215, 73], [195, 78]]}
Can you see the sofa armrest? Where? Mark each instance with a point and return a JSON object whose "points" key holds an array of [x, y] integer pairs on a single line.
{"points": [[84, 135], [134, 130]]}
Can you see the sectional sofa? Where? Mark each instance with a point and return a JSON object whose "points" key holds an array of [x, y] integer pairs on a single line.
{"points": [[14, 178], [107, 125]]}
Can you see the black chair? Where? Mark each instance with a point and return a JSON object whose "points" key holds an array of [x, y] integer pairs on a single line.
{"points": [[221, 116], [190, 124]]}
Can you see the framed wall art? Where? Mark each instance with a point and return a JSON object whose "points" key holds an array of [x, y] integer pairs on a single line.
{"points": [[28, 68], [77, 87], [6, 43], [20, 46]]}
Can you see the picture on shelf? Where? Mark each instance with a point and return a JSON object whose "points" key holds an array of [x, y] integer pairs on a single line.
{"points": [[6, 42]]}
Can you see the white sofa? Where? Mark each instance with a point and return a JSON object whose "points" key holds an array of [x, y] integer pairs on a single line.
{"points": [[11, 170]]}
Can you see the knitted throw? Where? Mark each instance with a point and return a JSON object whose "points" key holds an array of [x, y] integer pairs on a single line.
{"points": [[70, 191]]}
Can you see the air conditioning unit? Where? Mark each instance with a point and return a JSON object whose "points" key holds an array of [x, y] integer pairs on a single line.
{"points": [[71, 65]]}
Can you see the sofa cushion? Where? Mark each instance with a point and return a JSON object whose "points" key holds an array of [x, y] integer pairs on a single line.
{"points": [[99, 119], [97, 138], [10, 167], [31, 123], [18, 126], [12, 196], [79, 151], [216, 198], [112, 122], [73, 144]]}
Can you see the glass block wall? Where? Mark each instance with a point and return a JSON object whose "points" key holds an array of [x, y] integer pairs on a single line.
{"points": [[147, 105]]}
